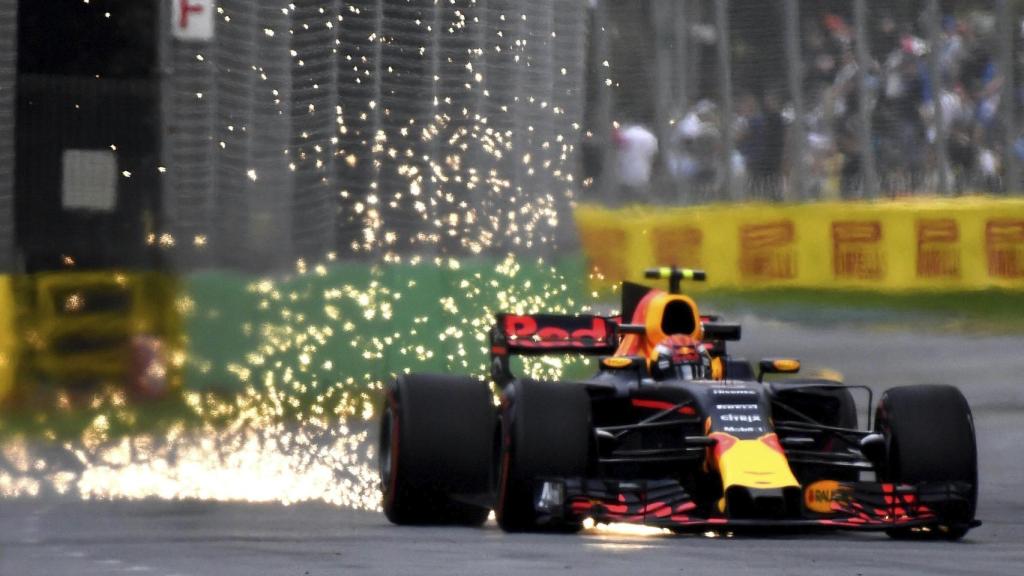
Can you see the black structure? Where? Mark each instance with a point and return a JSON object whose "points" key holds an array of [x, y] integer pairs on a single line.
{"points": [[87, 82]]}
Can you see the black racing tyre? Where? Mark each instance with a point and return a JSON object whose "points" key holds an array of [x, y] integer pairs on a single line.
{"points": [[545, 432], [436, 446], [929, 436]]}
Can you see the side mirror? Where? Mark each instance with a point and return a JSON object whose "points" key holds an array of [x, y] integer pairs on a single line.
{"points": [[778, 366]]}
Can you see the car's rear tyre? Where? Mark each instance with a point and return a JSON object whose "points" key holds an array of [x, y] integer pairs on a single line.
{"points": [[929, 435], [545, 432], [436, 446]]}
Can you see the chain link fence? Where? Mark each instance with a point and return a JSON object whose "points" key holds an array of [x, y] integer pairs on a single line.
{"points": [[373, 128], [403, 129], [803, 100]]}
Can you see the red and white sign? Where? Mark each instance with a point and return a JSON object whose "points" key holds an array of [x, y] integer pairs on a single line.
{"points": [[192, 19]]}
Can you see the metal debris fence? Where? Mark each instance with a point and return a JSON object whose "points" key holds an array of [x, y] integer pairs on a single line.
{"points": [[803, 100], [385, 128], [415, 129]]}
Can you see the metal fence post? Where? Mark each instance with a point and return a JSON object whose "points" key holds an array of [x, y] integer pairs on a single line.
{"points": [[312, 148], [603, 118], [934, 18], [869, 184], [681, 35], [569, 68], [1008, 106], [431, 119], [372, 221], [795, 76], [661, 22], [189, 98], [731, 191], [235, 82], [8, 105]]}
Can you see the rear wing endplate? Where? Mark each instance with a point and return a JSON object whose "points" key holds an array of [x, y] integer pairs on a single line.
{"points": [[539, 334]]}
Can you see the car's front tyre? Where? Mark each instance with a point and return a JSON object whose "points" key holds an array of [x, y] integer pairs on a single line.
{"points": [[929, 436], [435, 450], [545, 432]]}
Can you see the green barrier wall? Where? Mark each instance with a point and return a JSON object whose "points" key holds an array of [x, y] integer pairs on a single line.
{"points": [[342, 325]]}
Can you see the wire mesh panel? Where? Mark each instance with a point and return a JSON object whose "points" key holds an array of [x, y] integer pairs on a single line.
{"points": [[569, 43], [407, 105], [802, 99], [271, 192], [376, 127], [236, 81], [314, 143], [190, 114], [502, 84], [8, 76], [458, 45], [427, 127], [358, 120]]}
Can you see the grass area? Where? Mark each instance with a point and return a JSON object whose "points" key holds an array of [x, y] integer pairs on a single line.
{"points": [[349, 323], [986, 311]]}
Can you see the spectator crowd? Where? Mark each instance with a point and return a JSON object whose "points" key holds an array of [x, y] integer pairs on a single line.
{"points": [[905, 108]]}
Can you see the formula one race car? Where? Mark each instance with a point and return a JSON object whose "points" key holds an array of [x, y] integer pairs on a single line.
{"points": [[672, 432]]}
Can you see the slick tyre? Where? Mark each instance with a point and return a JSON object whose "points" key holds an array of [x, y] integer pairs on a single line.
{"points": [[545, 433], [929, 435], [436, 446]]}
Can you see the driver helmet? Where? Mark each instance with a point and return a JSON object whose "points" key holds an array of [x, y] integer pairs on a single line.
{"points": [[680, 357]]}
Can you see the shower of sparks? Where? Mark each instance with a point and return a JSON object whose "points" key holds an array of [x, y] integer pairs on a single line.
{"points": [[300, 429], [475, 175]]}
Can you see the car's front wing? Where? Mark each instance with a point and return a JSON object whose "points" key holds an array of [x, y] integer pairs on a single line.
{"points": [[664, 503]]}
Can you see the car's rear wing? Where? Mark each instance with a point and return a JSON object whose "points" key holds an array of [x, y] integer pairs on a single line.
{"points": [[539, 334]]}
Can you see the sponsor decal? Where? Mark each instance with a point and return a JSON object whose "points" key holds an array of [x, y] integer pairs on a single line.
{"points": [[1004, 247], [533, 332], [733, 392], [768, 251], [735, 413], [938, 248], [856, 250], [818, 497], [680, 245], [731, 407], [748, 418]]}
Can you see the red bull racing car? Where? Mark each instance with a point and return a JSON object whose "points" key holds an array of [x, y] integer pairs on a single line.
{"points": [[671, 432]]}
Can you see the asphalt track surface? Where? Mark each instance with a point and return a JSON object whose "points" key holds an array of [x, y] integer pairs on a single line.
{"points": [[64, 536]]}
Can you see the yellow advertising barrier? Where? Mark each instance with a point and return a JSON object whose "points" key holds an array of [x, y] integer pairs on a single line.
{"points": [[75, 327], [9, 346], [919, 244]]}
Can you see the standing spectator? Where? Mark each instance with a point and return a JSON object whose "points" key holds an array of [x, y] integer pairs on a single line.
{"points": [[763, 144], [636, 147]]}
